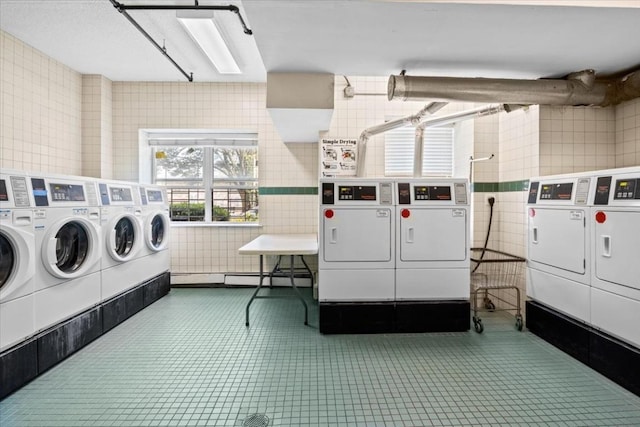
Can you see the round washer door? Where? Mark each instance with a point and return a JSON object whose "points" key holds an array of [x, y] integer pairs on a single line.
{"points": [[71, 248], [157, 231], [8, 260], [124, 237], [16, 262]]}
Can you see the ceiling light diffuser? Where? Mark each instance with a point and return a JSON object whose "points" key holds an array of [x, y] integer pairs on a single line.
{"points": [[205, 33]]}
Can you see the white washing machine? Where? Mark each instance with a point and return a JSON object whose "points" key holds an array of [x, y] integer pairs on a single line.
{"points": [[123, 237], [155, 255], [432, 241], [558, 243], [615, 293], [68, 247], [17, 260], [356, 258]]}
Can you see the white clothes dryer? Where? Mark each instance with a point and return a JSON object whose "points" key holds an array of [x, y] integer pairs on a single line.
{"points": [[69, 244], [432, 240], [17, 260], [356, 255], [123, 238], [558, 243], [432, 255], [615, 276]]}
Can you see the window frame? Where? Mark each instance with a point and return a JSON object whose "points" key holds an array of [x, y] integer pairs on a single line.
{"points": [[209, 141]]}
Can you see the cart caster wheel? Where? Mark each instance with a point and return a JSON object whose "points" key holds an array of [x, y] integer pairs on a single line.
{"points": [[490, 306], [519, 323], [478, 326]]}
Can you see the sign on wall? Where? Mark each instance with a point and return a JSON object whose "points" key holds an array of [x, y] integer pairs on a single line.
{"points": [[338, 157]]}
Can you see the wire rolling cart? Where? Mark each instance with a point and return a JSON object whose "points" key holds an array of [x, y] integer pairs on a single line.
{"points": [[494, 270]]}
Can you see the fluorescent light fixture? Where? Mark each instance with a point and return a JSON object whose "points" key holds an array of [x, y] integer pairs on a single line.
{"points": [[205, 33]]}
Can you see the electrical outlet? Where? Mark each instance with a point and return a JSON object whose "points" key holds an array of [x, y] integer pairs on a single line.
{"points": [[491, 196]]}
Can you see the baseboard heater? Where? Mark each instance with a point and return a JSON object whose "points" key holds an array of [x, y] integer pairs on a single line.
{"points": [[235, 279]]}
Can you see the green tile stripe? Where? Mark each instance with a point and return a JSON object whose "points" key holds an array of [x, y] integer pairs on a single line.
{"points": [[287, 191], [478, 187], [500, 187]]}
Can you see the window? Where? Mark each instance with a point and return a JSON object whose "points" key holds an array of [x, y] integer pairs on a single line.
{"points": [[210, 177], [437, 157]]}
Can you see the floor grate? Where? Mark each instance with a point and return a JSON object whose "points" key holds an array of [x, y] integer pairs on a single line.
{"points": [[256, 420]]}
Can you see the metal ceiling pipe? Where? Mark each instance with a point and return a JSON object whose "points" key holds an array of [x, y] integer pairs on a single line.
{"points": [[443, 120], [624, 89], [414, 120], [578, 89]]}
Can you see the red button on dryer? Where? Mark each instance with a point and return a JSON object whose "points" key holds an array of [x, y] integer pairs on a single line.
{"points": [[601, 217], [328, 213], [406, 213], [532, 212]]}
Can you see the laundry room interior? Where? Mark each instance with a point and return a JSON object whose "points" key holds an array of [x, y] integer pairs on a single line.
{"points": [[171, 335]]}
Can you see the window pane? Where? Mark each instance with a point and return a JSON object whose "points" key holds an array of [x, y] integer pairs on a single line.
{"points": [[235, 167], [186, 204], [179, 166], [437, 157], [438, 152], [398, 151], [235, 204]]}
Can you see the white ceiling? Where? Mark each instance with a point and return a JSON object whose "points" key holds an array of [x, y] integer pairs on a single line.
{"points": [[347, 37]]}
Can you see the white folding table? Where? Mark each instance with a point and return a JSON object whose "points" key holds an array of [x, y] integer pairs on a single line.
{"points": [[281, 245]]}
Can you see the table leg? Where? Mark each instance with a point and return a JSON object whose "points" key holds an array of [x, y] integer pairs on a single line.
{"points": [[293, 285], [256, 292], [275, 268], [308, 270]]}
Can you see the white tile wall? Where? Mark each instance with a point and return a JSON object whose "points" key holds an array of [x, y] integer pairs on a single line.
{"points": [[97, 126], [485, 143], [577, 139], [518, 139], [218, 106], [41, 111], [628, 133], [462, 148]]}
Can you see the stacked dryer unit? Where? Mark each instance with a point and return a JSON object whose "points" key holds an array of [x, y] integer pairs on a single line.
{"points": [[559, 260], [615, 277], [432, 255], [18, 351], [356, 261], [583, 274], [393, 256]]}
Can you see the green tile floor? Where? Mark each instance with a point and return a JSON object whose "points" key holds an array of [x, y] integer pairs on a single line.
{"points": [[188, 360]]}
